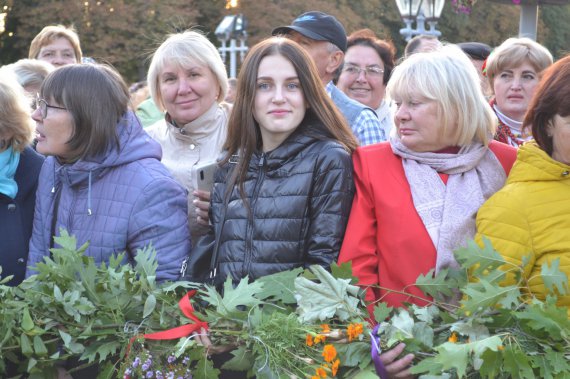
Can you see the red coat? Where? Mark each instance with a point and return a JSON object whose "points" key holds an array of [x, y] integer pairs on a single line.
{"points": [[385, 238]]}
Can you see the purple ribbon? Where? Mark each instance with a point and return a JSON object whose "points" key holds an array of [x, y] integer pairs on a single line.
{"points": [[375, 352]]}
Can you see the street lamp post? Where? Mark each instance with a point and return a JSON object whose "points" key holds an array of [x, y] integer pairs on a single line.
{"points": [[420, 11], [232, 28]]}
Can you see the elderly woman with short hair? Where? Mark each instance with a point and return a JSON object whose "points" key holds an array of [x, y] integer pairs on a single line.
{"points": [[436, 171], [56, 44], [514, 70], [188, 79], [103, 181]]}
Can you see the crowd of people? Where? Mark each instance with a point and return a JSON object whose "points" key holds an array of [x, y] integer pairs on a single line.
{"points": [[326, 148]]}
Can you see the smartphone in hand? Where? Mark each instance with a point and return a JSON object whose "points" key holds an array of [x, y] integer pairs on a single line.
{"points": [[203, 175]]}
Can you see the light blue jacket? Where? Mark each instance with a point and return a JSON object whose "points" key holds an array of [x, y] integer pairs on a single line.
{"points": [[120, 201]]}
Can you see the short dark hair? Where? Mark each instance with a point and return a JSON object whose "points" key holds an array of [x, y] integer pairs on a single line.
{"points": [[415, 42], [97, 98], [385, 49], [550, 99]]}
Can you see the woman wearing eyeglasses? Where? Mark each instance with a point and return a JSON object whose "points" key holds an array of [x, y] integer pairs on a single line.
{"points": [[103, 181], [19, 169], [368, 63]]}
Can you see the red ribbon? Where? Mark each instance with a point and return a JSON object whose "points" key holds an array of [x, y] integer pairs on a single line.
{"points": [[180, 331]]}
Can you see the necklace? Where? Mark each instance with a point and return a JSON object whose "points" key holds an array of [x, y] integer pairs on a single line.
{"points": [[504, 133]]}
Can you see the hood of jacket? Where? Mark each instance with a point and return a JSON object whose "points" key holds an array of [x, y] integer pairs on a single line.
{"points": [[134, 144], [534, 165]]}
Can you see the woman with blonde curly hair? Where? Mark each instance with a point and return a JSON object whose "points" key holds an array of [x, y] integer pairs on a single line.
{"points": [[19, 169]]}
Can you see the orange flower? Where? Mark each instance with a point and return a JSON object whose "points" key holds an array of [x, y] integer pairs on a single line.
{"points": [[325, 328], [329, 353], [334, 367], [309, 340], [315, 377], [354, 330], [453, 337], [501, 347], [320, 338], [321, 373]]}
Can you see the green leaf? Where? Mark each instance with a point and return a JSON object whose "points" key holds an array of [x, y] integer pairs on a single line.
{"points": [[483, 295], [434, 285], [242, 295], [205, 370], [453, 356], [39, 347], [242, 360], [149, 305], [279, 286], [546, 316], [382, 311], [25, 345], [354, 354], [426, 314], [427, 365], [344, 271], [423, 334], [492, 366], [516, 363], [479, 258], [326, 299], [553, 277], [27, 322], [470, 328]]}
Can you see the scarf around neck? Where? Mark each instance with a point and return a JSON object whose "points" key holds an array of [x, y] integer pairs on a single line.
{"points": [[9, 160], [448, 211]]}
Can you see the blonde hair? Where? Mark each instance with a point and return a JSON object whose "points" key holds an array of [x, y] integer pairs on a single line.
{"points": [[30, 72], [185, 49], [51, 33], [447, 77], [513, 53], [15, 112]]}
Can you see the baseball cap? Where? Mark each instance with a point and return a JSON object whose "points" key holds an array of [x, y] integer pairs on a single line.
{"points": [[318, 26], [476, 50]]}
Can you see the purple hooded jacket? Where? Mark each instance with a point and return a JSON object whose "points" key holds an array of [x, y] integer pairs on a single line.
{"points": [[120, 201]]}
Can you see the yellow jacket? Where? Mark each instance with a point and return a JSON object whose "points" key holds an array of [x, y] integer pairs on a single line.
{"points": [[530, 217]]}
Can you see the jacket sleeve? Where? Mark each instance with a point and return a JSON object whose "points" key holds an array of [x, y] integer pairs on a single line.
{"points": [[160, 217], [359, 245], [502, 221], [332, 193], [37, 248]]}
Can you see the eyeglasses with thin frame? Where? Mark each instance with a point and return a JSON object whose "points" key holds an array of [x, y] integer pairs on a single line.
{"points": [[43, 106], [371, 71]]}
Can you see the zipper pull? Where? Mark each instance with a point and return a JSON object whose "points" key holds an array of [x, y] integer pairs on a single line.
{"points": [[262, 160]]}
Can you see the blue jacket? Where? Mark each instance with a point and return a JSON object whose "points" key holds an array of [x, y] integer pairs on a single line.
{"points": [[120, 201], [16, 216]]}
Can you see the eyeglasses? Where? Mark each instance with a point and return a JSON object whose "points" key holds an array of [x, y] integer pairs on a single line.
{"points": [[43, 106], [371, 71]]}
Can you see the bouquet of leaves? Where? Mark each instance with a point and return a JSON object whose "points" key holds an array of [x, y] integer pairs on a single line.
{"points": [[299, 323], [494, 331]]}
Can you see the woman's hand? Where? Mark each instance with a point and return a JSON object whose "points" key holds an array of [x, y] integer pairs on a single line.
{"points": [[397, 368], [204, 339], [202, 204]]}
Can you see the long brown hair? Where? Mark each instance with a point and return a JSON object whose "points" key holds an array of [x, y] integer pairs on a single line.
{"points": [[244, 136]]}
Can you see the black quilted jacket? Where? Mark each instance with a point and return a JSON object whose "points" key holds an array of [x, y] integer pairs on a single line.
{"points": [[300, 196]]}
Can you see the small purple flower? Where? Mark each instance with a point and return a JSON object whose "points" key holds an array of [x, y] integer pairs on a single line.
{"points": [[145, 366], [171, 358], [149, 374], [136, 362], [170, 375], [159, 375], [185, 361]]}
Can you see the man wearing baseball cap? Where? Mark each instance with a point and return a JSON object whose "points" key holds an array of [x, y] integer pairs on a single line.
{"points": [[324, 38]]}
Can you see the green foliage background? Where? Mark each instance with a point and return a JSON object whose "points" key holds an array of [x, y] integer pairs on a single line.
{"points": [[125, 32]]}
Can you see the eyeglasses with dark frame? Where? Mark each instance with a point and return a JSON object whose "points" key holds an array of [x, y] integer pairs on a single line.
{"points": [[43, 105], [368, 71]]}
